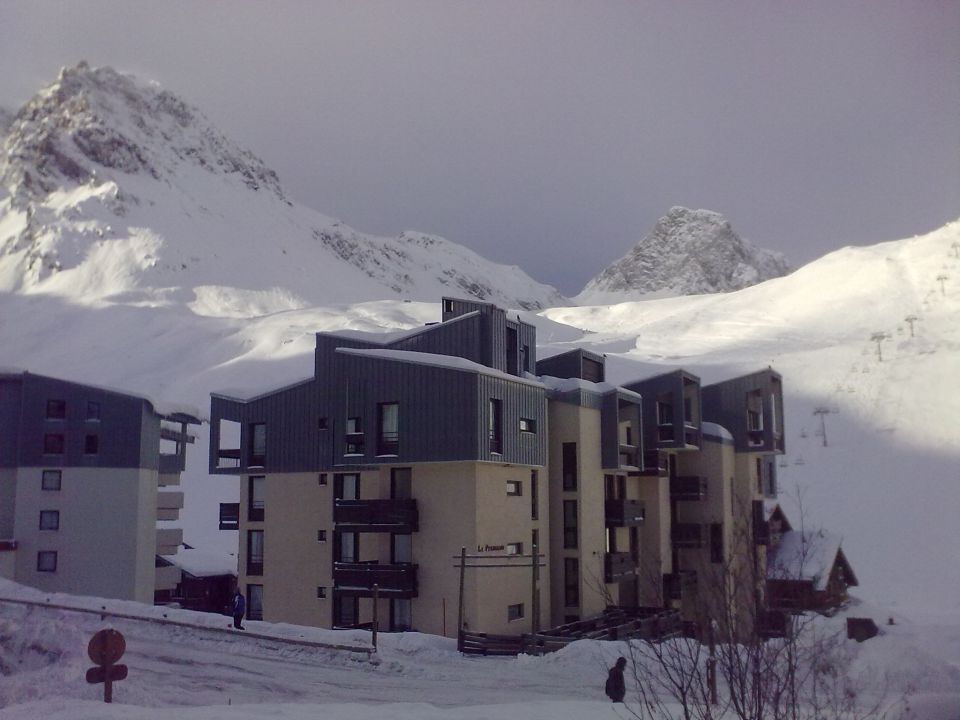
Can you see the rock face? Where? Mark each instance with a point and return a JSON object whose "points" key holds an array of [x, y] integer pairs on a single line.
{"points": [[688, 252], [116, 190]]}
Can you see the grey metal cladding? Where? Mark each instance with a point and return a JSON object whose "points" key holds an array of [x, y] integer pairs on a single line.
{"points": [[462, 338], [568, 364], [10, 394], [518, 400], [725, 403], [651, 389], [127, 430]]}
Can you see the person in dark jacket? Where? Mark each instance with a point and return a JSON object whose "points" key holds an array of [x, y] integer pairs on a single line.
{"points": [[239, 610], [616, 689]]}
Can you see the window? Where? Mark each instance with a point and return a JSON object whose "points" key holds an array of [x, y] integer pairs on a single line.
{"points": [[571, 582], [354, 437], [258, 444], [49, 519], [688, 410], [495, 426], [51, 479], [322, 424], [447, 305], [346, 610], [515, 612], [388, 432], [56, 409], [716, 542], [569, 466], [525, 358], [255, 498], [46, 561], [91, 444], [514, 548], [592, 370], [570, 523], [534, 496], [321, 535], [53, 444], [346, 486], [514, 487], [401, 614], [322, 479], [528, 425], [664, 412], [93, 411], [254, 602], [254, 552], [346, 546], [401, 548], [321, 592], [759, 466]]}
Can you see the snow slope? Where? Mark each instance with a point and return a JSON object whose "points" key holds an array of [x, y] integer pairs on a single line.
{"points": [[116, 191]]}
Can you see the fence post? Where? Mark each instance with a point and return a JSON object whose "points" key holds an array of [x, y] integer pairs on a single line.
{"points": [[463, 565], [376, 612]]}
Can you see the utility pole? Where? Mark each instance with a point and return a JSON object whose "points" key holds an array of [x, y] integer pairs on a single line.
{"points": [[942, 279], [823, 412], [911, 319], [879, 337]]}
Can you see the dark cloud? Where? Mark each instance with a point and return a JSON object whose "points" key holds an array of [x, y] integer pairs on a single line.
{"points": [[552, 135]]}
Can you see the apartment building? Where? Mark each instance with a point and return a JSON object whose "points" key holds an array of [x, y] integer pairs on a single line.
{"points": [[85, 490], [400, 451]]}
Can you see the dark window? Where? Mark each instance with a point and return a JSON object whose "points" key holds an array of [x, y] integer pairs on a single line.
{"points": [[514, 487], [354, 437], [322, 479], [447, 305], [570, 466], [46, 561], [688, 410], [401, 614], [93, 410], [495, 426], [570, 523], [512, 351], [571, 582], [321, 535], [609, 487], [53, 444], [322, 424], [759, 464], [388, 431], [664, 412], [255, 498], [254, 552], [592, 370], [534, 496], [49, 519], [321, 592], [515, 612], [91, 445], [346, 546], [56, 409], [346, 610], [525, 358], [254, 602], [716, 542], [51, 479], [346, 486], [611, 540], [528, 425], [258, 444]]}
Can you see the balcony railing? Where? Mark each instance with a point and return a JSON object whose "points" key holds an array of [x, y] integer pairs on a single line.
{"points": [[353, 443], [688, 487], [388, 443], [624, 513], [171, 463], [665, 433], [395, 580], [228, 458], [397, 515], [687, 535], [229, 516], [654, 463], [617, 566], [691, 434]]}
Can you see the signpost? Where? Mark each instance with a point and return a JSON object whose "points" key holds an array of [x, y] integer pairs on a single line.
{"points": [[105, 648]]}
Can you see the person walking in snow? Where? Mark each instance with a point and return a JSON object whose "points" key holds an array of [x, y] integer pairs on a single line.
{"points": [[239, 609], [615, 688]]}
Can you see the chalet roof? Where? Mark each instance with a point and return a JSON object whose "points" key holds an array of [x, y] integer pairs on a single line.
{"points": [[808, 556]]}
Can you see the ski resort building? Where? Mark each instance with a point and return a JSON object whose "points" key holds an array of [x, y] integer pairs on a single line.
{"points": [[449, 474], [85, 490]]}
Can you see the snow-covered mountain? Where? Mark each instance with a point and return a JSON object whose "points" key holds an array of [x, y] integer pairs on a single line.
{"points": [[113, 190], [688, 252]]}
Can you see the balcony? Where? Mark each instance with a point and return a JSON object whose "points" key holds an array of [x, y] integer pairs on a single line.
{"points": [[654, 465], [624, 513], [354, 443], [691, 434], [618, 566], [686, 535], [166, 577], [629, 456], [228, 458], [398, 515], [677, 585], [169, 540], [357, 579], [229, 516], [171, 464], [665, 434], [388, 443], [688, 487], [773, 624], [169, 504]]}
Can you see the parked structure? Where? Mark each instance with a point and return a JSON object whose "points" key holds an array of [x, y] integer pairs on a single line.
{"points": [[401, 449], [83, 484]]}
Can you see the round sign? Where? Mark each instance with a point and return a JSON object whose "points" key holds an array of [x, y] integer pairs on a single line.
{"points": [[106, 647]]}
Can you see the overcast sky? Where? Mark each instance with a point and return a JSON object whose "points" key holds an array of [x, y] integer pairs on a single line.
{"points": [[552, 135]]}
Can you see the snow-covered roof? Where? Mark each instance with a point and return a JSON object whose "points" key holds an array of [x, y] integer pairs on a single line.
{"points": [[252, 393], [717, 431], [449, 362], [804, 556], [565, 385], [388, 338], [204, 563]]}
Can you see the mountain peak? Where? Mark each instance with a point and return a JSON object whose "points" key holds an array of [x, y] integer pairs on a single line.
{"points": [[688, 252], [96, 123]]}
